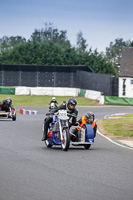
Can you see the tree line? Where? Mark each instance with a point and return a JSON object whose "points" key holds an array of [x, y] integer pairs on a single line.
{"points": [[49, 46]]}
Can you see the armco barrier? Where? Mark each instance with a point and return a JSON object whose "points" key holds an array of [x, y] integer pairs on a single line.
{"points": [[28, 112], [58, 91], [50, 91], [118, 101], [91, 94], [22, 90], [54, 91]]}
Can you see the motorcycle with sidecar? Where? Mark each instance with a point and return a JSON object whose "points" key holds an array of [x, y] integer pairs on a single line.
{"points": [[59, 133]]}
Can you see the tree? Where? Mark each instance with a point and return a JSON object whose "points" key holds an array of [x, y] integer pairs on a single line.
{"points": [[4, 43], [10, 42], [81, 43], [114, 51], [49, 46], [131, 43], [49, 33]]}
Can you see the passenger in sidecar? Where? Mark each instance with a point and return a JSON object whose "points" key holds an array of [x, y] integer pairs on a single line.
{"points": [[6, 104], [7, 110], [87, 122]]}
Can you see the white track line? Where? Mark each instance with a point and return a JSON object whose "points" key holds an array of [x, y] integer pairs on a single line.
{"points": [[113, 141]]}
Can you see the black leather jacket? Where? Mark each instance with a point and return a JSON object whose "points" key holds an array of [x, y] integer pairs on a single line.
{"points": [[74, 113], [5, 106]]}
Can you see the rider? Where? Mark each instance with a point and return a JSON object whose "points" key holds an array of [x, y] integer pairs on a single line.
{"points": [[70, 107], [53, 103], [6, 104], [88, 118]]}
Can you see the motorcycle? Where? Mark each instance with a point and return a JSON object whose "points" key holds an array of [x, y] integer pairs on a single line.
{"points": [[85, 136], [58, 132], [10, 114]]}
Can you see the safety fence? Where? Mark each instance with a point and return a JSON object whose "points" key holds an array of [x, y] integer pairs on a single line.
{"points": [[58, 76]]}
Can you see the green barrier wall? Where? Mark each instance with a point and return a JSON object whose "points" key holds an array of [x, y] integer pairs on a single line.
{"points": [[118, 101], [82, 93], [4, 90]]}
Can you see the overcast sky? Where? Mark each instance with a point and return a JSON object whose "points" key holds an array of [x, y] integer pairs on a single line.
{"points": [[101, 21]]}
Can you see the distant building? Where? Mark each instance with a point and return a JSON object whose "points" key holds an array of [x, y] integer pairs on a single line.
{"points": [[126, 73]]}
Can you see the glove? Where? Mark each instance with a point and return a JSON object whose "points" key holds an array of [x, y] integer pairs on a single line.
{"points": [[51, 112], [77, 124]]}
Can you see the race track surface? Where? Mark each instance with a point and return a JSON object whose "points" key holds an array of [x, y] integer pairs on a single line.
{"points": [[31, 171]]}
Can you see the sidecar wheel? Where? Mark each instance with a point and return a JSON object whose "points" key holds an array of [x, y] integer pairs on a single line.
{"points": [[66, 140], [48, 144], [87, 146], [14, 117]]}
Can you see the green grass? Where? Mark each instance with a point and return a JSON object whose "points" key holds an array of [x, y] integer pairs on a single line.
{"points": [[38, 100], [122, 127]]}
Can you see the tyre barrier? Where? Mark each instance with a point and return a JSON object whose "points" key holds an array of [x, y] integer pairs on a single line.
{"points": [[28, 112]]}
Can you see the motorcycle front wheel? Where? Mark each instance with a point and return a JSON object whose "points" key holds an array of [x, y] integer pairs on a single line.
{"points": [[66, 140]]}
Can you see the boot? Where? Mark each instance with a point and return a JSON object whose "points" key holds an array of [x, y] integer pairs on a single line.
{"points": [[44, 137], [46, 126]]}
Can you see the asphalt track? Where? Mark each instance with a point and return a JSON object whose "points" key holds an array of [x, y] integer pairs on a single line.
{"points": [[30, 171]]}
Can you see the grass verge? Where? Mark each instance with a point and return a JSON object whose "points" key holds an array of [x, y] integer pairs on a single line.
{"points": [[121, 127], [123, 116], [38, 100]]}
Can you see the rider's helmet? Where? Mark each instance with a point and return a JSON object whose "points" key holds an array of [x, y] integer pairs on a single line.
{"points": [[71, 104], [54, 100], [89, 117], [9, 101]]}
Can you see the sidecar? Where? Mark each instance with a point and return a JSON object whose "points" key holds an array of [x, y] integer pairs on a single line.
{"points": [[85, 136], [6, 115]]}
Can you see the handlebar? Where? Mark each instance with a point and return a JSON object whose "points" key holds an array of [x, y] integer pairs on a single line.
{"points": [[51, 113], [47, 114], [68, 114]]}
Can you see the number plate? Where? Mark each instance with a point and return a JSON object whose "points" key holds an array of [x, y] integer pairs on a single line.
{"points": [[62, 113]]}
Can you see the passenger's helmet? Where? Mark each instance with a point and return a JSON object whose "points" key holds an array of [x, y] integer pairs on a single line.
{"points": [[89, 117], [71, 104], [9, 100]]}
